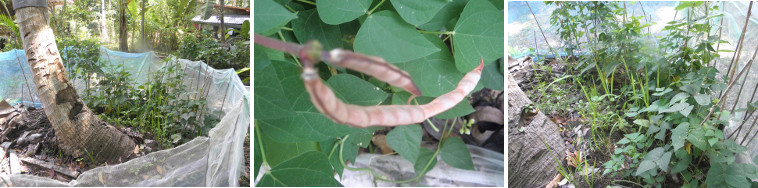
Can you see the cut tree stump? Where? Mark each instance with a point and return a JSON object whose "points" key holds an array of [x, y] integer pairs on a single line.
{"points": [[530, 162]]}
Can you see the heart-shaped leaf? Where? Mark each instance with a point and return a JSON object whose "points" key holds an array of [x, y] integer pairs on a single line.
{"points": [[434, 74], [307, 123], [424, 158], [308, 26], [335, 12], [478, 34], [269, 17], [679, 134], [702, 99], [418, 12], [386, 35], [455, 153], [308, 169], [278, 152], [491, 76], [406, 140], [448, 13], [272, 100]]}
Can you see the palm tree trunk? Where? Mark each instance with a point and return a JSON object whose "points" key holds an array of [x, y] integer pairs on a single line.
{"points": [[80, 133], [221, 27], [103, 23], [142, 39], [123, 44]]}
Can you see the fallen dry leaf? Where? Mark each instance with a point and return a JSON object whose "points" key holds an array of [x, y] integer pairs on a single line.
{"points": [[380, 141], [574, 158], [554, 182]]}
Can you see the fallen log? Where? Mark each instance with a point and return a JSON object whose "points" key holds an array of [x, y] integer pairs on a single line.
{"points": [[530, 162]]}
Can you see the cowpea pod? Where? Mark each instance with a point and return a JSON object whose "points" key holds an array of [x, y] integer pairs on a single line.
{"points": [[374, 66], [383, 115]]}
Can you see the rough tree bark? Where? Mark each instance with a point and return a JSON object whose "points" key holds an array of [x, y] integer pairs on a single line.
{"points": [[143, 45], [530, 163], [79, 132], [123, 44], [221, 27]]}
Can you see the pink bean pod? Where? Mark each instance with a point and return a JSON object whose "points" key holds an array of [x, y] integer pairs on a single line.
{"points": [[374, 66], [384, 115]]}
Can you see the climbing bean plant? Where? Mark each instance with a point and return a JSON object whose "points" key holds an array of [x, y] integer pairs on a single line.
{"points": [[666, 90], [436, 42]]}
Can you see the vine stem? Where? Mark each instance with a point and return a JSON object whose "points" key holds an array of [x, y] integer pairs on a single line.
{"points": [[377, 6], [260, 142], [426, 167], [437, 32], [275, 44]]}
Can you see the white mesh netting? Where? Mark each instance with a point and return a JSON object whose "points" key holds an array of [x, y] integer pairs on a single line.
{"points": [[216, 160]]}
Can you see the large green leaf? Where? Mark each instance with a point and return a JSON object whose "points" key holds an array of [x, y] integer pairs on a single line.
{"points": [[270, 94], [309, 169], [434, 74], [278, 152], [702, 99], [679, 134], [418, 12], [455, 153], [424, 158], [353, 90], [406, 140], [269, 17], [723, 175], [132, 8], [307, 124], [386, 35], [492, 77], [500, 5], [450, 11], [678, 97], [308, 26], [683, 107], [651, 160], [478, 34], [684, 161], [696, 136], [340, 11], [645, 166]]}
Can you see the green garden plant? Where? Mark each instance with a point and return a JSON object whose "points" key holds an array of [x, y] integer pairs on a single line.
{"points": [[152, 107], [203, 47], [664, 92]]}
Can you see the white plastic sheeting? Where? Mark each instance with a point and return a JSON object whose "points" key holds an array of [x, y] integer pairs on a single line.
{"points": [[488, 171], [216, 160]]}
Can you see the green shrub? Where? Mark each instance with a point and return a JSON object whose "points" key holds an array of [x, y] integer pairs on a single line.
{"points": [[203, 47]]}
